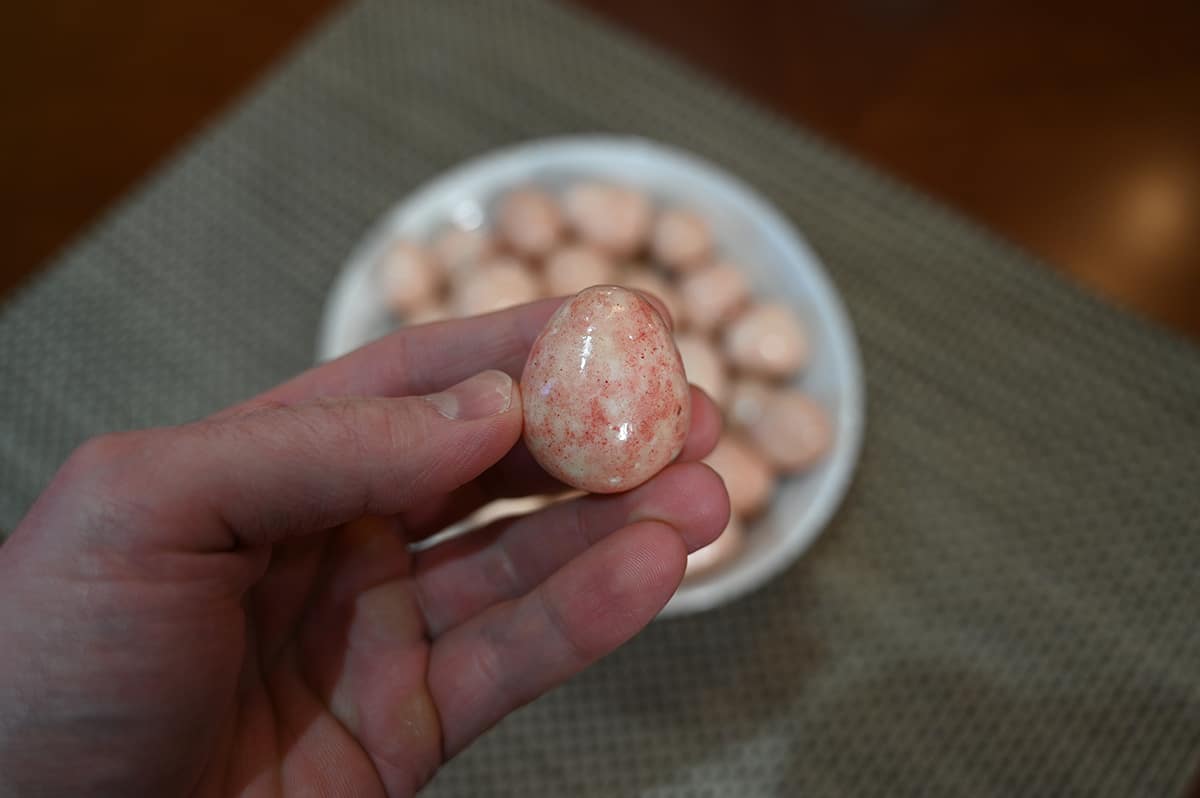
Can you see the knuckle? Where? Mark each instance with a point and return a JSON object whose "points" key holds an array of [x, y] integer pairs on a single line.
{"points": [[104, 481], [558, 626], [363, 426], [102, 457]]}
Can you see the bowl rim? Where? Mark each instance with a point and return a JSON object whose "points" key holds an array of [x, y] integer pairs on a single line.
{"points": [[836, 473]]}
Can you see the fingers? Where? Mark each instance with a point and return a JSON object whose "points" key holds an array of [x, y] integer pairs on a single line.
{"points": [[417, 360], [518, 474], [428, 357], [264, 475], [364, 650], [465, 575], [705, 429], [512, 653]]}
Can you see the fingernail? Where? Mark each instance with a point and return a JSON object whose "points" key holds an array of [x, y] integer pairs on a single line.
{"points": [[485, 394]]}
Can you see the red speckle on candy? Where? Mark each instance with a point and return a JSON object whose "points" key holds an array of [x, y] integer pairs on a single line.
{"points": [[619, 408]]}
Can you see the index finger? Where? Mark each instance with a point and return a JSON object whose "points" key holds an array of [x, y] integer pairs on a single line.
{"points": [[422, 359], [426, 358]]}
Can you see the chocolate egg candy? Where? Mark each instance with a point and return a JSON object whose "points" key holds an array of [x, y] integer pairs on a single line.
{"points": [[681, 239], [748, 476], [768, 340], [499, 283], [794, 431], [530, 221], [712, 294], [718, 553], [573, 268], [703, 366], [642, 277], [614, 218], [409, 277], [605, 397]]}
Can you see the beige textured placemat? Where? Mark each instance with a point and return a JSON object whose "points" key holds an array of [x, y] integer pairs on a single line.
{"points": [[1008, 603]]}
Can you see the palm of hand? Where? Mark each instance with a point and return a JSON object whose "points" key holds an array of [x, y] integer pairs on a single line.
{"points": [[336, 667], [366, 666]]}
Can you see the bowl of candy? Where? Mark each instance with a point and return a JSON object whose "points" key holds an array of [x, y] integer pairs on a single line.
{"points": [[758, 323]]}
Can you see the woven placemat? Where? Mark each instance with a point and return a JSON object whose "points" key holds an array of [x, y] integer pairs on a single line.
{"points": [[1008, 602]]}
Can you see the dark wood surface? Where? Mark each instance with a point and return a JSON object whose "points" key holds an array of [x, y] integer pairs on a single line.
{"points": [[1071, 128]]}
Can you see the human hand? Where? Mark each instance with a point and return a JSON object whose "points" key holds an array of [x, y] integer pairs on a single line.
{"points": [[231, 607]]}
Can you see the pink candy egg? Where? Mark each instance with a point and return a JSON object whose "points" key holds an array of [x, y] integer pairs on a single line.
{"points": [[718, 553], [459, 249], [681, 239], [605, 397], [409, 277], [794, 431], [614, 218], [713, 294], [428, 314], [573, 268], [530, 221], [640, 277], [499, 283], [748, 477], [703, 366], [748, 401], [768, 340]]}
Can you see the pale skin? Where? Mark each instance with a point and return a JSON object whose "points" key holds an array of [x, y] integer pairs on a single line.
{"points": [[230, 607]]}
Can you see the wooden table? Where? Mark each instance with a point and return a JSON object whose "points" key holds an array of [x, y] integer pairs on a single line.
{"points": [[1072, 129]]}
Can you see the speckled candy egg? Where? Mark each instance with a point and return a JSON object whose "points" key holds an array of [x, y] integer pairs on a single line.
{"points": [[498, 283], [748, 477], [748, 401], [641, 277], [768, 340], [409, 277], [794, 431], [460, 250], [573, 268], [681, 239], [530, 221], [605, 397], [712, 294], [703, 366], [614, 218]]}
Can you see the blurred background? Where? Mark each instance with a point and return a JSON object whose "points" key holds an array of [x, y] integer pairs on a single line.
{"points": [[1070, 128]]}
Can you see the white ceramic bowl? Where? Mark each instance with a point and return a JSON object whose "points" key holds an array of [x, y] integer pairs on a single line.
{"points": [[748, 229]]}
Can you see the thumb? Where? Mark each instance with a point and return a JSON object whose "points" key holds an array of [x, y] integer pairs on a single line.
{"points": [[271, 472]]}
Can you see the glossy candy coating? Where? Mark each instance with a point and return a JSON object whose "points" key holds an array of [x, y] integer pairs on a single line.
{"points": [[605, 398]]}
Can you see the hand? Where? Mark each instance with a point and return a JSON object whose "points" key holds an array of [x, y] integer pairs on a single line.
{"points": [[231, 607]]}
